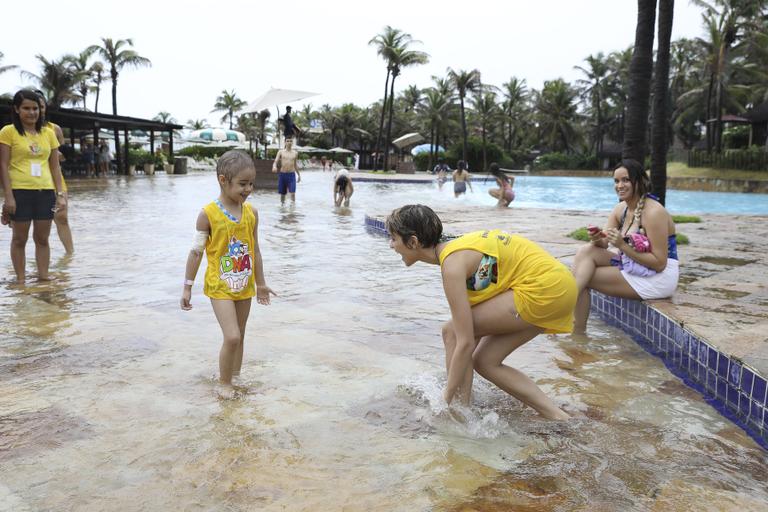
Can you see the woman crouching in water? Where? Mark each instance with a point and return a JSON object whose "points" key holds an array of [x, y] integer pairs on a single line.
{"points": [[503, 290]]}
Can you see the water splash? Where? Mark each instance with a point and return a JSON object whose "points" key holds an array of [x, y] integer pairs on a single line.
{"points": [[426, 391]]}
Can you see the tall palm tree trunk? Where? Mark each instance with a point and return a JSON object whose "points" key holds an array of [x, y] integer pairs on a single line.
{"points": [[432, 146], [387, 141], [719, 123], [463, 130], [381, 121], [485, 155], [708, 127], [640, 70], [96, 106], [660, 113]]}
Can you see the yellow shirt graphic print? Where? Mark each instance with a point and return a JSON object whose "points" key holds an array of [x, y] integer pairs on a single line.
{"points": [[229, 252], [235, 266]]}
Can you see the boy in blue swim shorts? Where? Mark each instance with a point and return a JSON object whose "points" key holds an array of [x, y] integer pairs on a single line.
{"points": [[285, 165]]}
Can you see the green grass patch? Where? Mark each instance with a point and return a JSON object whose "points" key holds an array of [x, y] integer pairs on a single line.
{"points": [[683, 219], [580, 234], [680, 169], [682, 239]]}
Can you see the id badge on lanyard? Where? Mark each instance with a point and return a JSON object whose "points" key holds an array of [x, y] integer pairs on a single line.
{"points": [[36, 169]]}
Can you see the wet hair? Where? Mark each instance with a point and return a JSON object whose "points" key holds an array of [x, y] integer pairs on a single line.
{"points": [[288, 108], [232, 162], [496, 171], [18, 99], [641, 184], [462, 165], [415, 220]]}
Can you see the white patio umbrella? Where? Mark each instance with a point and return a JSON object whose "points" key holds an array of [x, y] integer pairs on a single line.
{"points": [[339, 150], [274, 97], [218, 134], [408, 140]]}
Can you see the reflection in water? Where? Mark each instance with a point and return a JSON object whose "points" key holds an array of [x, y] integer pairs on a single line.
{"points": [[107, 398]]}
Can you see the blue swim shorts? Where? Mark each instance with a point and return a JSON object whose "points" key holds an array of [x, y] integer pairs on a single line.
{"points": [[286, 181]]}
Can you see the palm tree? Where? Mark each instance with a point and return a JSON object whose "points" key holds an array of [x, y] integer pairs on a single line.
{"points": [[197, 124], [262, 118], [3, 69], [486, 109], [660, 112], [515, 95], [402, 57], [164, 117], [463, 82], [80, 65], [386, 43], [57, 79], [411, 97], [97, 76], [118, 55], [436, 107], [594, 89], [228, 102], [556, 114], [640, 82]]}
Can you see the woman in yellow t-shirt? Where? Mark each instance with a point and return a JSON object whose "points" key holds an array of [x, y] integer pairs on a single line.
{"points": [[32, 183], [61, 217], [503, 291]]}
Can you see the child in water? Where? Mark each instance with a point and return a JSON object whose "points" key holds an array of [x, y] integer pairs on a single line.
{"points": [[461, 179], [342, 188], [227, 229], [504, 194]]}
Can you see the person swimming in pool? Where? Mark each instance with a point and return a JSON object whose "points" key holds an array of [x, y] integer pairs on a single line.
{"points": [[503, 291]]}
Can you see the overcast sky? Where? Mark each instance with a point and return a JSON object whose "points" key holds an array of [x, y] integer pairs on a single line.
{"points": [[198, 48]]}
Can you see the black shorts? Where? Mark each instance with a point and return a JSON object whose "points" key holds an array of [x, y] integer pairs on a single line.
{"points": [[33, 205]]}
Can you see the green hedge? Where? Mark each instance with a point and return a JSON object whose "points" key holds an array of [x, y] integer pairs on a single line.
{"points": [[753, 159], [422, 160], [565, 161], [200, 152], [494, 153]]}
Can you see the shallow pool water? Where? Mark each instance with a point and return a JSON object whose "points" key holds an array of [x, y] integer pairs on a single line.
{"points": [[107, 389], [587, 193]]}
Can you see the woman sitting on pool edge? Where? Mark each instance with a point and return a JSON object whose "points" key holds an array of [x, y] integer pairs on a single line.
{"points": [[597, 268], [503, 290]]}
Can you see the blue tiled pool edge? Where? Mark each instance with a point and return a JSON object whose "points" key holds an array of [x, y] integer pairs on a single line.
{"points": [[733, 388]]}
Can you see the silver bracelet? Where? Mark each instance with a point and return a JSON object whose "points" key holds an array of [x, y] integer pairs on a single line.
{"points": [[189, 282]]}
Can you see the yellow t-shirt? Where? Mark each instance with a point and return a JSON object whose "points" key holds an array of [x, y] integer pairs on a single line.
{"points": [[29, 169], [544, 289], [229, 251]]}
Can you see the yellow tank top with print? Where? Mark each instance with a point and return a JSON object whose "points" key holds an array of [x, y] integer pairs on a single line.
{"points": [[544, 288], [229, 251]]}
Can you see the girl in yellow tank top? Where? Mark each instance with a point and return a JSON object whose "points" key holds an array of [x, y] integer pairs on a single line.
{"points": [[227, 230], [503, 290]]}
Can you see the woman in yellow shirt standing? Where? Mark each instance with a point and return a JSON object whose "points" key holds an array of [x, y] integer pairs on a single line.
{"points": [[32, 182], [503, 291]]}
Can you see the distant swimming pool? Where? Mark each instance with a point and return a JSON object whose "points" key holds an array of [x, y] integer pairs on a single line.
{"points": [[581, 193]]}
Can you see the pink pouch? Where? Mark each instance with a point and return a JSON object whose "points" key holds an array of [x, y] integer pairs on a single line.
{"points": [[639, 242]]}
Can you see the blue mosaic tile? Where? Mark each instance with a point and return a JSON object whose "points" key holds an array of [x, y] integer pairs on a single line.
{"points": [[722, 389], [755, 413], [711, 382], [746, 381], [744, 403], [722, 365], [703, 351], [758, 389], [712, 359], [734, 374], [732, 394]]}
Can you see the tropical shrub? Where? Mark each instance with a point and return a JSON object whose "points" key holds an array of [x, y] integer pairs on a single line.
{"points": [[494, 153], [421, 161], [201, 152], [565, 161]]}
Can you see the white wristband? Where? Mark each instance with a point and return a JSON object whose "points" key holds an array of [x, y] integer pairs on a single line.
{"points": [[188, 282]]}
